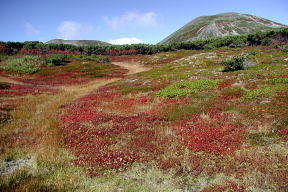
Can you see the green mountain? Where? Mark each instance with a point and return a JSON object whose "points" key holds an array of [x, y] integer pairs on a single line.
{"points": [[77, 42], [221, 25]]}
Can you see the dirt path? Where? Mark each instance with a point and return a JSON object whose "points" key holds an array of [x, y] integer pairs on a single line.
{"points": [[7, 80], [132, 67], [80, 90]]}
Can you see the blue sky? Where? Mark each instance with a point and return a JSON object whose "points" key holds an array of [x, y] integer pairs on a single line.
{"points": [[118, 21]]}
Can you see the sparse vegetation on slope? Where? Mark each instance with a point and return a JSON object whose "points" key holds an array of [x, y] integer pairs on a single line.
{"points": [[220, 25]]}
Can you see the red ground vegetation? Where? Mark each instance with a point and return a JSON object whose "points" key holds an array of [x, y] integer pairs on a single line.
{"points": [[21, 90], [229, 186], [225, 83], [115, 52], [212, 133], [44, 52], [60, 76], [90, 134]]}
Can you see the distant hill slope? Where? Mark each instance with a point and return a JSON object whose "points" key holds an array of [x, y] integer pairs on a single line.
{"points": [[220, 25], [77, 42]]}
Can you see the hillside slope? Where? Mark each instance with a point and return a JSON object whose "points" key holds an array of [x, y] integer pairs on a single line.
{"points": [[77, 42], [220, 25]]}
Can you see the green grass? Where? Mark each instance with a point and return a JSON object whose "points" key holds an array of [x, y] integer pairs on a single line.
{"points": [[264, 71], [127, 90], [24, 64], [184, 88], [285, 48], [262, 92], [261, 138], [55, 60], [278, 80], [276, 85], [25, 181], [182, 110], [142, 178], [232, 91], [89, 68]]}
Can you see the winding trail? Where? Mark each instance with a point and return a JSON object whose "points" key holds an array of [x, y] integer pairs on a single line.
{"points": [[7, 80], [39, 115], [133, 67], [83, 89]]}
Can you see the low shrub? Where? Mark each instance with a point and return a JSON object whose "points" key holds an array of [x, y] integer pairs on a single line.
{"points": [[31, 64], [252, 53], [282, 47], [182, 89], [93, 57], [263, 92], [266, 41], [285, 48], [256, 93], [254, 39], [234, 64], [3, 57], [238, 62], [100, 58], [55, 60], [278, 84], [4, 49], [115, 52], [25, 64], [4, 86]]}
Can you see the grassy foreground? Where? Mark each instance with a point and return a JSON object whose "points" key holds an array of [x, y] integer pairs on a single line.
{"points": [[183, 125]]}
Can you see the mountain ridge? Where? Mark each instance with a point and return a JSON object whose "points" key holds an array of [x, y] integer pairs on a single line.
{"points": [[220, 25], [77, 42]]}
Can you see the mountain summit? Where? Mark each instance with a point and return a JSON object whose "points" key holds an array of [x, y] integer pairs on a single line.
{"points": [[221, 25]]}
